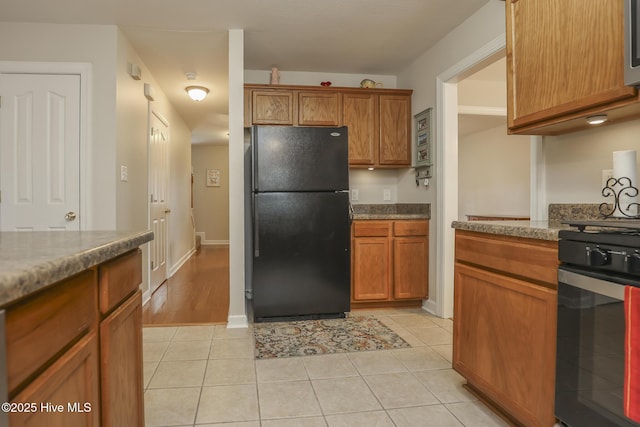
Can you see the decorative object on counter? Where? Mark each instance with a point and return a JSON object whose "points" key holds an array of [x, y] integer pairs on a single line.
{"points": [[369, 84], [424, 137], [311, 337], [624, 166], [275, 76], [622, 191], [327, 83]]}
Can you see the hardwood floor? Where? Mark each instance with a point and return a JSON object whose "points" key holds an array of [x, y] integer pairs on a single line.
{"points": [[198, 293]]}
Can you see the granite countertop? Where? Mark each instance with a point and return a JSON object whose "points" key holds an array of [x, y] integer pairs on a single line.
{"points": [[392, 211], [541, 230], [30, 261]]}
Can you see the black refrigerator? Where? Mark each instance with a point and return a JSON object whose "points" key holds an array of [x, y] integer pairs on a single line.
{"points": [[300, 223]]}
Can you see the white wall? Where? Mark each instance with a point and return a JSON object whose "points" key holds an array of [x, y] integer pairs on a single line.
{"points": [[306, 78], [211, 204], [493, 173], [132, 115], [478, 30], [574, 162], [118, 126], [96, 45]]}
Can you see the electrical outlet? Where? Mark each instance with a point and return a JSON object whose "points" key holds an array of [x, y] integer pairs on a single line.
{"points": [[124, 175], [606, 174], [354, 195], [386, 194]]}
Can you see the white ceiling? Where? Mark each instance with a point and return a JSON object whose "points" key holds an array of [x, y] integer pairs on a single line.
{"points": [[174, 37]]}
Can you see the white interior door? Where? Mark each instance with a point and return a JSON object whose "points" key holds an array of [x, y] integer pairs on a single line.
{"points": [[39, 152], [158, 182]]}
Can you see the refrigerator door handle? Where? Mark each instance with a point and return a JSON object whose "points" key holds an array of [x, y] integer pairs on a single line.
{"points": [[254, 159], [256, 228]]}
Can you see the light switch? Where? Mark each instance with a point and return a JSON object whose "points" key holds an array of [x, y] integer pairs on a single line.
{"points": [[124, 175]]}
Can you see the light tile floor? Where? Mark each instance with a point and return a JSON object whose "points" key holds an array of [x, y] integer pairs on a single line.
{"points": [[207, 376]]}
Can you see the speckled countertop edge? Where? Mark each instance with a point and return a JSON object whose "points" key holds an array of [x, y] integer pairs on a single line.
{"points": [[541, 230], [30, 261], [392, 211]]}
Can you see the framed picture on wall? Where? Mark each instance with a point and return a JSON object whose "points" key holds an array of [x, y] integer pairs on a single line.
{"points": [[213, 178], [423, 141]]}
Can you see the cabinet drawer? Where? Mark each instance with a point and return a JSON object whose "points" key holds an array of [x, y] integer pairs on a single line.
{"points": [[119, 278], [528, 258], [411, 228], [371, 228], [38, 329]]}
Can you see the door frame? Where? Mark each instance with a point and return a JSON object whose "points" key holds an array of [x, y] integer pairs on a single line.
{"points": [[84, 70]]}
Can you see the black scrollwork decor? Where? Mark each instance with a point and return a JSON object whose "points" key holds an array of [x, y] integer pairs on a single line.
{"points": [[618, 187]]}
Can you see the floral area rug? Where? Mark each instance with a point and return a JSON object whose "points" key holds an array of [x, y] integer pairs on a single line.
{"points": [[324, 336]]}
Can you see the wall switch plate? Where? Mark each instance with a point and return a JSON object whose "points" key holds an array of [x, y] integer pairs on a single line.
{"points": [[386, 194], [606, 174], [354, 195], [124, 175]]}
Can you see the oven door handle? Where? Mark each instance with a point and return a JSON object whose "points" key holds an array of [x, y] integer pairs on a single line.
{"points": [[591, 284]]}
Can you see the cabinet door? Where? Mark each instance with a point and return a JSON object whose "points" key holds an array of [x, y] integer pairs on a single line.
{"points": [[121, 374], [359, 115], [318, 109], [563, 58], [371, 268], [504, 342], [410, 267], [70, 385], [395, 130], [272, 107]]}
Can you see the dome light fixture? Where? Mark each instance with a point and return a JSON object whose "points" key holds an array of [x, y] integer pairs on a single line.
{"points": [[197, 93], [596, 120]]}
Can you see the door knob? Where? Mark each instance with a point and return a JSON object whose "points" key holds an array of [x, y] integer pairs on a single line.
{"points": [[167, 211], [70, 216]]}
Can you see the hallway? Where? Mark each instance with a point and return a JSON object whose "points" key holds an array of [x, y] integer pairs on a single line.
{"points": [[198, 293]]}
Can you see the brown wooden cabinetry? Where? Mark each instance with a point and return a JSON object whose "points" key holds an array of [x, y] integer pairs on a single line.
{"points": [[319, 108], [78, 343], [272, 107], [390, 262], [379, 120], [564, 63], [359, 115], [395, 130], [505, 322]]}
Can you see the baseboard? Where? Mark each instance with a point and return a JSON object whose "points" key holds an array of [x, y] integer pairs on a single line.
{"points": [[215, 243], [237, 322], [430, 307], [205, 242], [181, 262]]}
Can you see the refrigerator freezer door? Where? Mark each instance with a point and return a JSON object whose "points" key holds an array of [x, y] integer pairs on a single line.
{"points": [[300, 159], [301, 262]]}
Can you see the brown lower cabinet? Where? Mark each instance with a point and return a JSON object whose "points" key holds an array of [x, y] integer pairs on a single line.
{"points": [[390, 262], [504, 337], [74, 350]]}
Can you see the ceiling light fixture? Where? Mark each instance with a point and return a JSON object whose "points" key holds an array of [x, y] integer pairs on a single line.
{"points": [[197, 93], [596, 120]]}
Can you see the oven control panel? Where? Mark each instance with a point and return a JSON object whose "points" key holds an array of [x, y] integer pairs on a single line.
{"points": [[620, 259]]}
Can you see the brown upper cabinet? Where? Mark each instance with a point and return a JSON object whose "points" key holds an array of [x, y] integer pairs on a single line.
{"points": [[379, 120], [565, 63]]}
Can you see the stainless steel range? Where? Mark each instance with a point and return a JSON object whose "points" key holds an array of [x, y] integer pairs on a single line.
{"points": [[597, 259]]}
